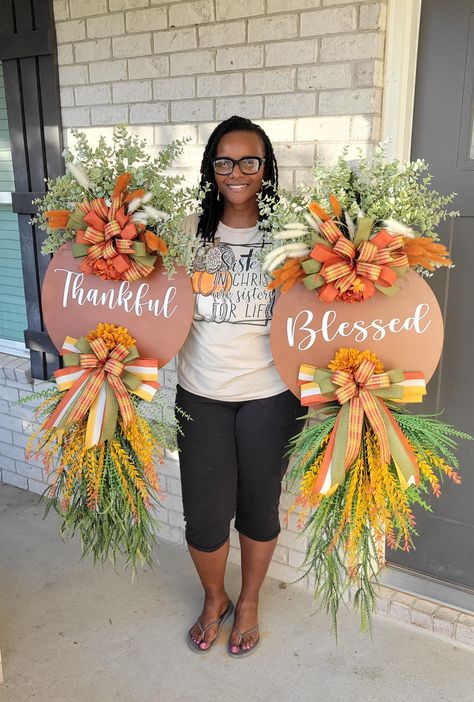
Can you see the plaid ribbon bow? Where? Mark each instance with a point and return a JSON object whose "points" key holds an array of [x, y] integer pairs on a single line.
{"points": [[98, 381], [354, 270], [110, 234], [360, 394]]}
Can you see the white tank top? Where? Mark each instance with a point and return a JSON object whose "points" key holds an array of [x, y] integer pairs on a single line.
{"points": [[227, 354]]}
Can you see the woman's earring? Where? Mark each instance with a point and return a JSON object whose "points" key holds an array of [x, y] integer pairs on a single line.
{"points": [[218, 195]]}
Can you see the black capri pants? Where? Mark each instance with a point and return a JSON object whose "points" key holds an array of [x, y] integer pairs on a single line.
{"points": [[232, 461]]}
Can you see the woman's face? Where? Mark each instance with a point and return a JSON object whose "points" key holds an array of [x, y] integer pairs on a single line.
{"points": [[238, 188]]}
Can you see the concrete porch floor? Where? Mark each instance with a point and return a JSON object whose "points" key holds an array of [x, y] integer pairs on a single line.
{"points": [[72, 633]]}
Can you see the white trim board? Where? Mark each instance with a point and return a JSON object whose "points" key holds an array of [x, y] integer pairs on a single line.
{"points": [[403, 26]]}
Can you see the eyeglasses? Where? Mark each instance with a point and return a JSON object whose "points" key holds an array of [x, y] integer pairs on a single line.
{"points": [[249, 165]]}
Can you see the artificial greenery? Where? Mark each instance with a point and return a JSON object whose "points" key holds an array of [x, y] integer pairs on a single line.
{"points": [[101, 165], [108, 494], [383, 189], [347, 530]]}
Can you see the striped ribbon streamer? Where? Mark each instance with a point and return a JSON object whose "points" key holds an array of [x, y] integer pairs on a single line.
{"points": [[362, 394], [98, 382]]}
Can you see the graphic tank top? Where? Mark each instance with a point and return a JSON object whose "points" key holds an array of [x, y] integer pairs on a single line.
{"points": [[227, 354]]}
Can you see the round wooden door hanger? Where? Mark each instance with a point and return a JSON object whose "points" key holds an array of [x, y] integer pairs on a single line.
{"points": [[405, 331], [157, 311]]}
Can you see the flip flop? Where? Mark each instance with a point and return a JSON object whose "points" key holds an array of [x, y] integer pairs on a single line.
{"points": [[243, 651], [196, 646]]}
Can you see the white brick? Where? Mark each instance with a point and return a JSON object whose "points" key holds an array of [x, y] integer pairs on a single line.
{"points": [[92, 94], [321, 22], [368, 73], [282, 572], [175, 40], [290, 105], [65, 54], [350, 101], [323, 129], [176, 519], [465, 629], [67, 97], [190, 158], [220, 84], [132, 91], [338, 2], [166, 133], [251, 107], [102, 71], [279, 130], [286, 5], [92, 50], [36, 486], [294, 155], [148, 67], [75, 30], [136, 45], [61, 10], [204, 132], [109, 26], [287, 53], [14, 479], [329, 153], [230, 9], [294, 542], [173, 486], [280, 555], [126, 4], [270, 28], [144, 20], [354, 47], [72, 75], [238, 58], [109, 114], [275, 81], [372, 16], [365, 127], [148, 113], [192, 111], [334, 75], [222, 34], [169, 533], [191, 13], [79, 8], [174, 88], [296, 560], [192, 62]]}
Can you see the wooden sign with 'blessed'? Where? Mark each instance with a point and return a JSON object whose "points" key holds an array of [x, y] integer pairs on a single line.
{"points": [[405, 331]]}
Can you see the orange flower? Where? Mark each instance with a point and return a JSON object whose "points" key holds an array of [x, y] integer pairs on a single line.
{"points": [[111, 335], [349, 360]]}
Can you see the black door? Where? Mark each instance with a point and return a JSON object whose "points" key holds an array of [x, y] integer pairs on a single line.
{"points": [[443, 136]]}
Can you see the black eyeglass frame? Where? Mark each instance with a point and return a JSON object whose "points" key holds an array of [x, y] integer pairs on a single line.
{"points": [[260, 160]]}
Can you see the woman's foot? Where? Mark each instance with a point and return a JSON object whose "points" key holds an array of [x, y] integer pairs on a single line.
{"points": [[211, 611], [245, 620]]}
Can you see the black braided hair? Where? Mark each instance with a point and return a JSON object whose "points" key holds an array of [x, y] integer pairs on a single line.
{"points": [[212, 207]]}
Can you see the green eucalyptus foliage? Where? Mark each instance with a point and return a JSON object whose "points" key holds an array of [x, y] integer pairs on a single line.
{"points": [[102, 164]]}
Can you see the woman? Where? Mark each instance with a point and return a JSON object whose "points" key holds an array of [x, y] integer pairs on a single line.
{"points": [[231, 453]]}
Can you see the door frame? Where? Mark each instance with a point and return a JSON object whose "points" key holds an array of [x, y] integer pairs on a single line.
{"points": [[402, 32]]}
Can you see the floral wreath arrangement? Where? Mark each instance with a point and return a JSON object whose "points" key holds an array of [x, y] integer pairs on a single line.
{"points": [[355, 233], [105, 424], [366, 460], [119, 207], [102, 430]]}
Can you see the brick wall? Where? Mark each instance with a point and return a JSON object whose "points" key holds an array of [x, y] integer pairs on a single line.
{"points": [[309, 71]]}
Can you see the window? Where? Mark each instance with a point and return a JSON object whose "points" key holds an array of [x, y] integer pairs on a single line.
{"points": [[12, 299]]}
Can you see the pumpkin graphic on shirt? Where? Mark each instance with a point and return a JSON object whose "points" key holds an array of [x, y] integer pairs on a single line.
{"points": [[211, 269]]}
